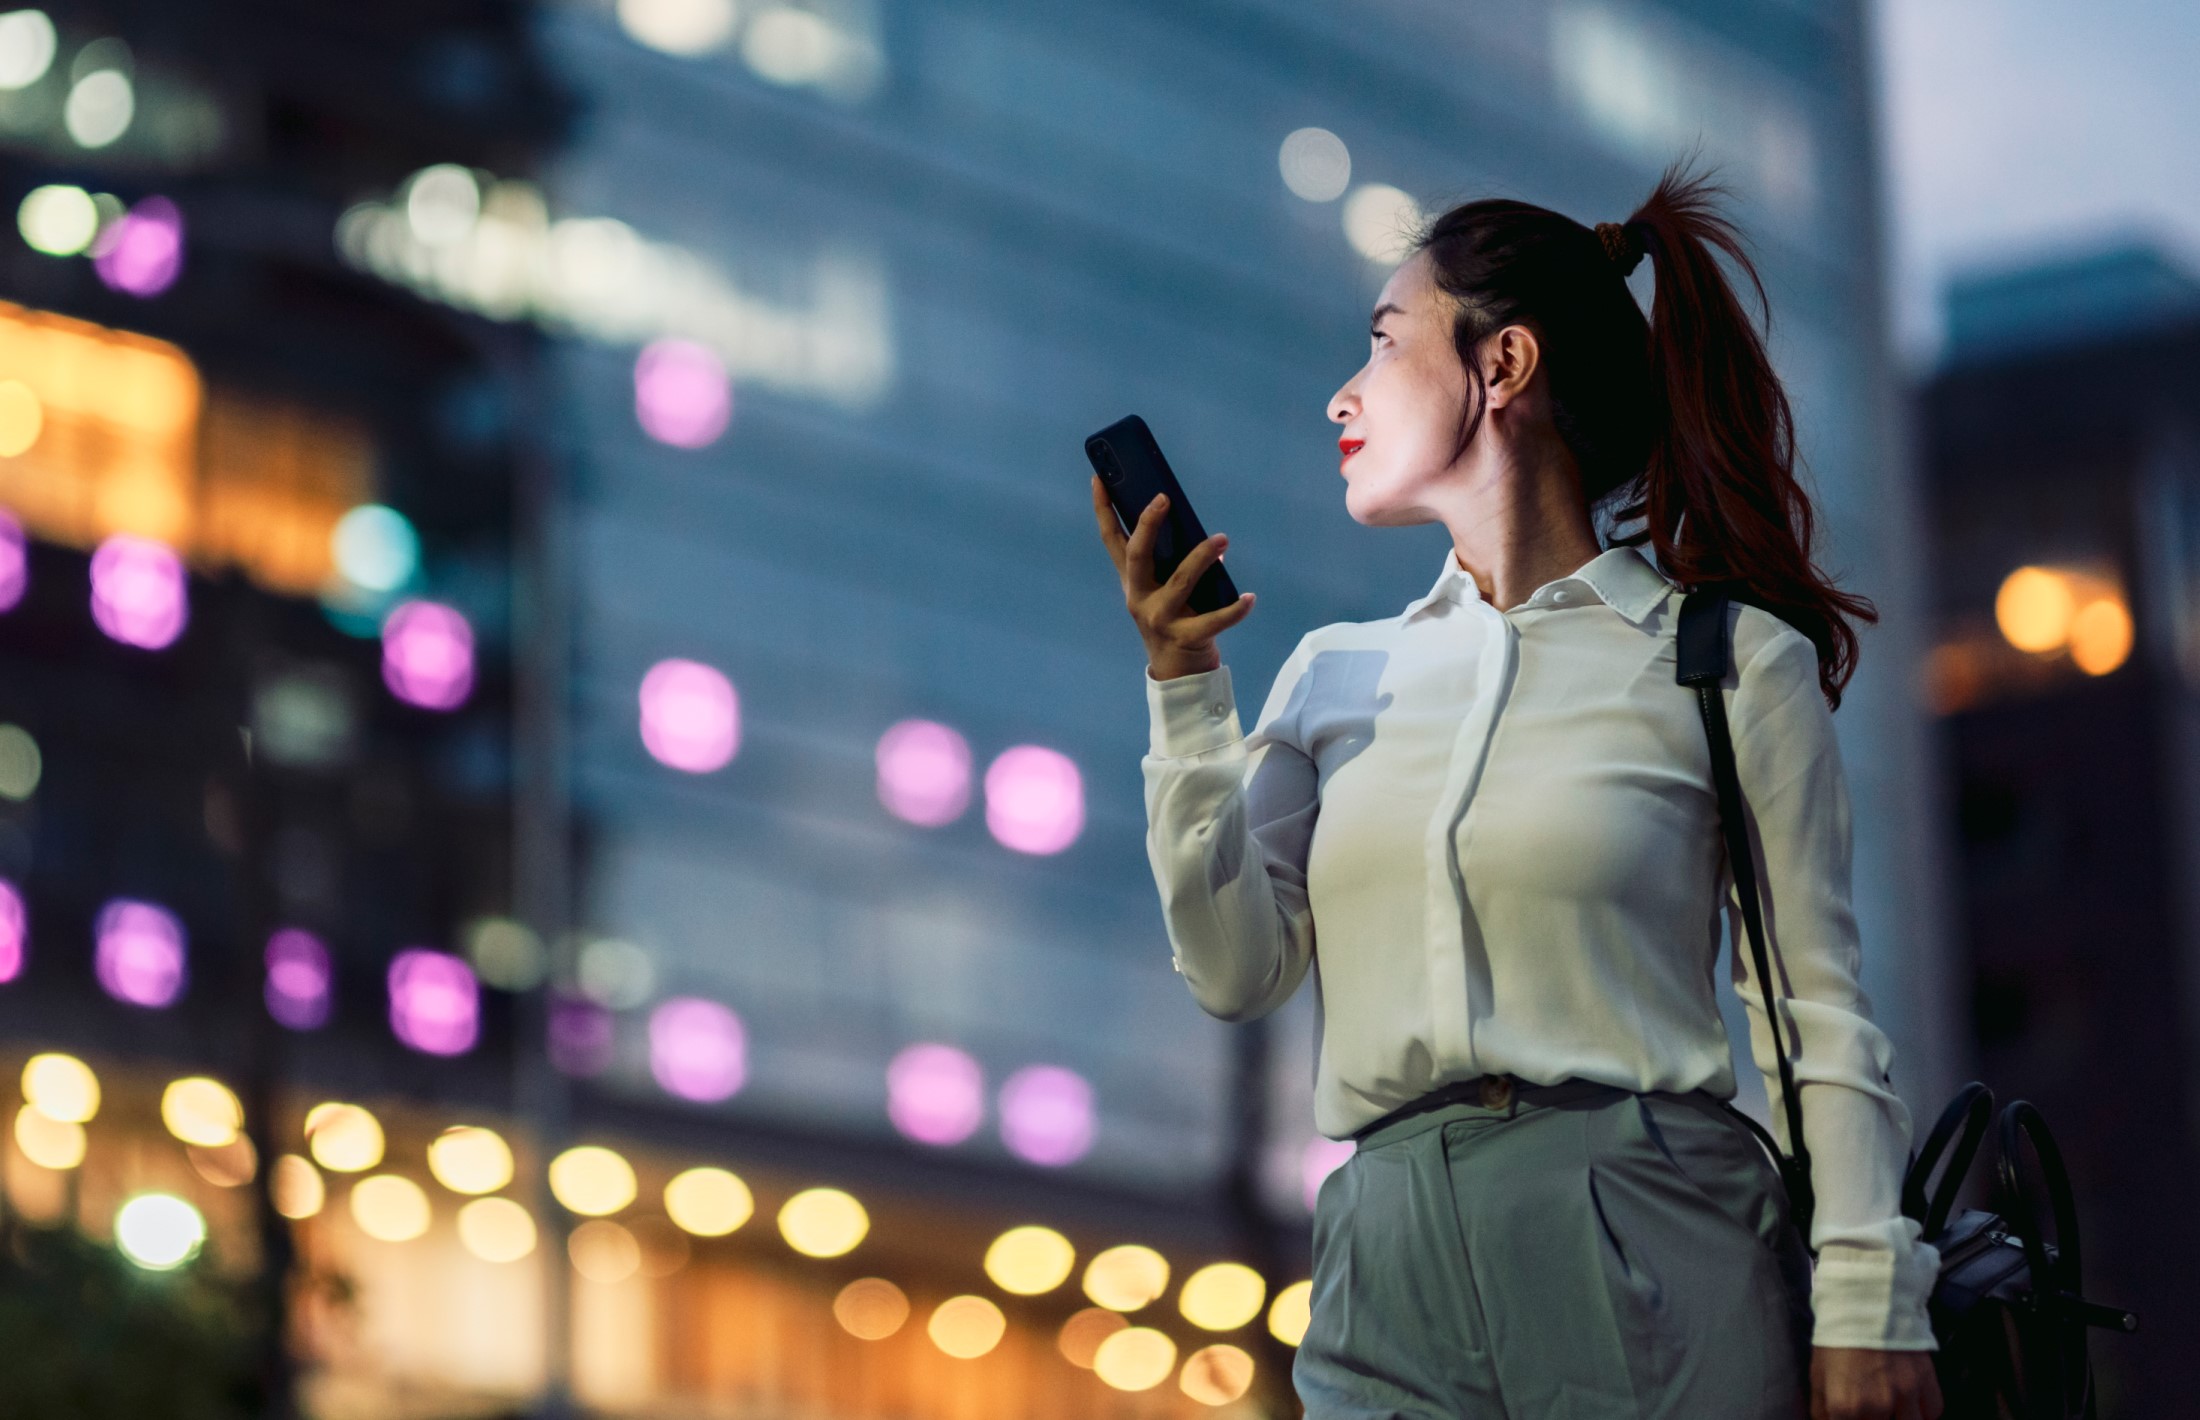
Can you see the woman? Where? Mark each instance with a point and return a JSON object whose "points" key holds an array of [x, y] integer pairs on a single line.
{"points": [[1488, 826]]}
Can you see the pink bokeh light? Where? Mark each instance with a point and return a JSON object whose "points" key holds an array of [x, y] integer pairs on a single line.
{"points": [[1047, 1115], [697, 1049], [141, 252], [139, 595], [435, 1003], [139, 953], [681, 394], [935, 1094], [1034, 799], [428, 655], [15, 563], [15, 932], [298, 979], [581, 1036], [691, 717], [1322, 1158], [924, 772]]}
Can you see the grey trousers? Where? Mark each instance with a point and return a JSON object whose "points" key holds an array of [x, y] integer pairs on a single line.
{"points": [[1565, 1252]]}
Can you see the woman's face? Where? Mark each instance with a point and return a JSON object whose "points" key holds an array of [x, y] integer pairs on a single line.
{"points": [[1403, 411]]}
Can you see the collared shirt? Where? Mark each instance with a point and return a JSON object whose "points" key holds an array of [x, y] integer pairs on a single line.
{"points": [[1493, 839]]}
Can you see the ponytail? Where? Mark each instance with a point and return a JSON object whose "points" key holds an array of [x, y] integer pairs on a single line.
{"points": [[1681, 421]]}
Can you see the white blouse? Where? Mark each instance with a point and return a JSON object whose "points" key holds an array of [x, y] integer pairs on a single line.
{"points": [[1500, 829]]}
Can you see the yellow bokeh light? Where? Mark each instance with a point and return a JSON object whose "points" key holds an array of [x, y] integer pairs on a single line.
{"points": [[1289, 1314], [470, 1159], [708, 1202], [2034, 608], [22, 418], [1135, 1358], [1082, 1334], [47, 1142], [604, 1252], [823, 1222], [1125, 1278], [1030, 1260], [390, 1207], [2100, 636], [966, 1327], [201, 1111], [344, 1138], [62, 1088], [297, 1186], [1222, 1296], [871, 1308], [592, 1181], [1216, 1375], [496, 1230], [230, 1165]]}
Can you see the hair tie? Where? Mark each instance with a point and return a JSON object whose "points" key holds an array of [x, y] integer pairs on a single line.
{"points": [[1621, 245]]}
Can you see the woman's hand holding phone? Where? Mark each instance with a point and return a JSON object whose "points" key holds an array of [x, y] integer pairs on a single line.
{"points": [[1178, 642]]}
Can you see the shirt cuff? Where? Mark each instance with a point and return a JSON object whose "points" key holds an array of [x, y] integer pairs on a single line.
{"points": [[1191, 714], [1874, 1299]]}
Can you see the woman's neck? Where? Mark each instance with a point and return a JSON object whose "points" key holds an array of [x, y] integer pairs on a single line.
{"points": [[1526, 532]]}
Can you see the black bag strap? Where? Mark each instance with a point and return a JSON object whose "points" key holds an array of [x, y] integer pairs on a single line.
{"points": [[1962, 1124], [1703, 658]]}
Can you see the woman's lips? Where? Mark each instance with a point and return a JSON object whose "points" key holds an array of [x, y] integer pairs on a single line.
{"points": [[1346, 448]]}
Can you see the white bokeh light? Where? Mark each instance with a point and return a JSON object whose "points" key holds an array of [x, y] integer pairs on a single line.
{"points": [[27, 44], [1316, 165], [99, 108], [1381, 221], [683, 27]]}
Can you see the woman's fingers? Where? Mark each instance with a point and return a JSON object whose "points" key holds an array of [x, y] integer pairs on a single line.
{"points": [[1138, 548], [1111, 533]]}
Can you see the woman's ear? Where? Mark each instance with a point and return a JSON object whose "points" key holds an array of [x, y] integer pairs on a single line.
{"points": [[1511, 357]]}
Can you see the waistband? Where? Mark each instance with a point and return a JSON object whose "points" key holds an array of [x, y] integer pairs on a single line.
{"points": [[1483, 1097]]}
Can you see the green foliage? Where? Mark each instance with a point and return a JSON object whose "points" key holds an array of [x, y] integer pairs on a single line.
{"points": [[87, 1336]]}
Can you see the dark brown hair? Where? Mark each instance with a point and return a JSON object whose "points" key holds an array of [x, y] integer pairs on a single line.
{"points": [[1679, 421]]}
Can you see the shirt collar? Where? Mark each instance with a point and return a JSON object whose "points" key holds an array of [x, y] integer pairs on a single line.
{"points": [[1620, 577]]}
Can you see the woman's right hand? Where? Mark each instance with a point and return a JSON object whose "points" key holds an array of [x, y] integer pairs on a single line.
{"points": [[1178, 643]]}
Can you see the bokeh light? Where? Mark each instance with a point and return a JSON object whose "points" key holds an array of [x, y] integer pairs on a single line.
{"points": [[15, 565], [1291, 1311], [467, 1158], [616, 974], [22, 420], [21, 764], [1321, 1158], [1222, 1296], [99, 108], [343, 1138], [496, 1230], [604, 1252], [139, 595], [871, 1308], [298, 1188], [159, 1231], [1380, 221], [230, 1165], [390, 1208], [428, 655], [935, 1094], [1047, 1115], [1216, 1375], [15, 932], [1080, 1337], [506, 954], [592, 1181], [2101, 636], [57, 219], [435, 1003], [581, 1036], [375, 548], [2034, 607], [141, 252], [691, 716], [966, 1327], [1034, 799], [1315, 163], [47, 1142], [697, 1049], [27, 44], [298, 979], [139, 953], [1135, 1358], [681, 394], [202, 1111], [1127, 1277], [708, 1202], [682, 27], [1029, 1260], [823, 1222], [442, 204], [61, 1087], [923, 772]]}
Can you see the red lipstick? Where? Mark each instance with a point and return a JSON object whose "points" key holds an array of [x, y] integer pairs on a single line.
{"points": [[1346, 448]]}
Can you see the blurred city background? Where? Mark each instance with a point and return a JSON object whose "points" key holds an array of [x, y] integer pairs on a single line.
{"points": [[570, 825]]}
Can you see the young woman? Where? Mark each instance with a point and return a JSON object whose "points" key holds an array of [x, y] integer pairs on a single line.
{"points": [[1487, 824]]}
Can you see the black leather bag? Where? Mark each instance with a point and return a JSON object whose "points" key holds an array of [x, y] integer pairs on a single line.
{"points": [[2006, 1308]]}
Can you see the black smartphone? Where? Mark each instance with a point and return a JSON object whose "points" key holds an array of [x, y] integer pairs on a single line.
{"points": [[1131, 466]]}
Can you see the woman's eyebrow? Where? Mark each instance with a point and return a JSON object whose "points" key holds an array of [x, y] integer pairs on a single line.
{"points": [[1385, 309]]}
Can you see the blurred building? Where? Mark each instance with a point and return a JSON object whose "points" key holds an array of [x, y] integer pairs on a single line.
{"points": [[2062, 454], [817, 717]]}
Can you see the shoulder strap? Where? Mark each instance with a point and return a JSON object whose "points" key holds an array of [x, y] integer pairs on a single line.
{"points": [[1703, 658]]}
